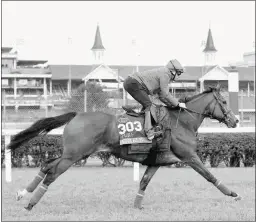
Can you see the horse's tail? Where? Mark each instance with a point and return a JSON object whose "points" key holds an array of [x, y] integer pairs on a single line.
{"points": [[42, 126]]}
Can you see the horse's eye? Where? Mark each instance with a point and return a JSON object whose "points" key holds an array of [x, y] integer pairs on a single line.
{"points": [[225, 102]]}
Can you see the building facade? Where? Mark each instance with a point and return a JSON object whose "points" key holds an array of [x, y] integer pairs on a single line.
{"points": [[27, 83]]}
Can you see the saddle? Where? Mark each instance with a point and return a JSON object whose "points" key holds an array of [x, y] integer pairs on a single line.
{"points": [[131, 125], [130, 110], [137, 140], [157, 111]]}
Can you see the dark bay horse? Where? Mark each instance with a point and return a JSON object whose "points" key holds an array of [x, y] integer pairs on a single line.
{"points": [[87, 133]]}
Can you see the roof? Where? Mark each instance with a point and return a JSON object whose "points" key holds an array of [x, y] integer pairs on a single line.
{"points": [[97, 41], [107, 73], [6, 49], [62, 71], [249, 53], [245, 73], [209, 47], [192, 73], [30, 62]]}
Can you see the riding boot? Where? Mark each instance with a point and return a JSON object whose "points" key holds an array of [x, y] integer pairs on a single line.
{"points": [[148, 125]]}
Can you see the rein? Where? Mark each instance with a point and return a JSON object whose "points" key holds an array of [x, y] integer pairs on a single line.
{"points": [[189, 111], [192, 111]]}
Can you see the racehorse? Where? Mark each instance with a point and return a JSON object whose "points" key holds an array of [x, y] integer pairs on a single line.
{"points": [[87, 133]]}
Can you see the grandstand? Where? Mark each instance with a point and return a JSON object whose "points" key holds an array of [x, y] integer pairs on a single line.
{"points": [[35, 85], [24, 82]]}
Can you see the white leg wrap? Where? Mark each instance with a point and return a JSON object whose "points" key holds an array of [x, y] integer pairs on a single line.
{"points": [[138, 194], [39, 176], [217, 183]]}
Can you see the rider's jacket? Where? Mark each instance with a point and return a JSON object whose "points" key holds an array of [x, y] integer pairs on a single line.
{"points": [[156, 82]]}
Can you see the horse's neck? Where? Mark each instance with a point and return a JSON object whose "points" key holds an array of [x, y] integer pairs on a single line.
{"points": [[199, 105]]}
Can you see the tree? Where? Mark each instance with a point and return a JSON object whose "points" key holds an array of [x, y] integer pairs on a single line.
{"points": [[96, 100]]}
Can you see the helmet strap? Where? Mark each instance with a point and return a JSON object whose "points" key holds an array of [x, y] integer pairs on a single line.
{"points": [[174, 69], [174, 75]]}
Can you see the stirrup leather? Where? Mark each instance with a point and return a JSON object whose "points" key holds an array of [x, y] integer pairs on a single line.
{"points": [[155, 132]]}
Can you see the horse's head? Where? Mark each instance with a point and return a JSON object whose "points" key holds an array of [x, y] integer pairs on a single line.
{"points": [[219, 110]]}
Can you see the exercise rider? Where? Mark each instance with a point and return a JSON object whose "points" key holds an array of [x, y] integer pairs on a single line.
{"points": [[155, 81]]}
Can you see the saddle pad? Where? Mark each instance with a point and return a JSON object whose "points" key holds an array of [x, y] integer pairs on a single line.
{"points": [[131, 129], [139, 148]]}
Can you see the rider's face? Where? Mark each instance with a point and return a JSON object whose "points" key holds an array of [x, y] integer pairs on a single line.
{"points": [[177, 77]]}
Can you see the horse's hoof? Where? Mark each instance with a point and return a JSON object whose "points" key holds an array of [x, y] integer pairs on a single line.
{"points": [[138, 206], [238, 197], [18, 195], [29, 207]]}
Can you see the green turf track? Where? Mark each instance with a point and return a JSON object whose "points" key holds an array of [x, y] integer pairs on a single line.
{"points": [[95, 193]]}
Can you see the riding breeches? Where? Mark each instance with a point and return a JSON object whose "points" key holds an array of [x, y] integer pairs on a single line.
{"points": [[138, 92]]}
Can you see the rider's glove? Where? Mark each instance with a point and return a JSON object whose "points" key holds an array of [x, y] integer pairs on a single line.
{"points": [[182, 105]]}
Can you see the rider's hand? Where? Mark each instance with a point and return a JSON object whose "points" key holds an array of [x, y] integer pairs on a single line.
{"points": [[182, 105]]}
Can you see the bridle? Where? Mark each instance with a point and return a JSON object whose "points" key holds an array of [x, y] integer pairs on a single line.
{"points": [[225, 111]]}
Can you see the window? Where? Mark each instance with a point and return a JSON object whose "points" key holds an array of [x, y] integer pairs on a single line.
{"points": [[32, 82], [109, 80], [22, 82], [93, 80], [246, 119], [5, 82]]}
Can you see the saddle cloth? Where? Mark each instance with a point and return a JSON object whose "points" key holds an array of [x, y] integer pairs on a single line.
{"points": [[131, 129]]}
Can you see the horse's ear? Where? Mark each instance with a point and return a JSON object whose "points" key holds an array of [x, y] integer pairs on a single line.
{"points": [[218, 87]]}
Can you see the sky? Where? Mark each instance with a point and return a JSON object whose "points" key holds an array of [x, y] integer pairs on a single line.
{"points": [[163, 30]]}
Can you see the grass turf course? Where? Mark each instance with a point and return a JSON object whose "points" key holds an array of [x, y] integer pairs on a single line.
{"points": [[95, 193]]}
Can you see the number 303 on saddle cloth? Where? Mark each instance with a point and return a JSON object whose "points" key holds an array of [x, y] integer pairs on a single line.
{"points": [[131, 129]]}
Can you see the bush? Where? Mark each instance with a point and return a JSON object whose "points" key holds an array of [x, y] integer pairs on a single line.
{"points": [[230, 148], [37, 151]]}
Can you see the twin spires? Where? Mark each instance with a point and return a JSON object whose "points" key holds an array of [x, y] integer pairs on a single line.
{"points": [[98, 49], [209, 47]]}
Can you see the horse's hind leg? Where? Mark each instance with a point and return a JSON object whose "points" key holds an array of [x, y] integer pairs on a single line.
{"points": [[149, 173], [37, 179], [53, 173]]}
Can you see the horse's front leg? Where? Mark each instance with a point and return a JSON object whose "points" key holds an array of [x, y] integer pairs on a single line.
{"points": [[195, 162], [149, 173]]}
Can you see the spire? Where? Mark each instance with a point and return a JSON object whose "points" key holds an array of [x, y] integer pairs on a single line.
{"points": [[97, 41], [209, 47]]}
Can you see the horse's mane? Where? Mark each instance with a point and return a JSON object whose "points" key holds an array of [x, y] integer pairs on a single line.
{"points": [[189, 98]]}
